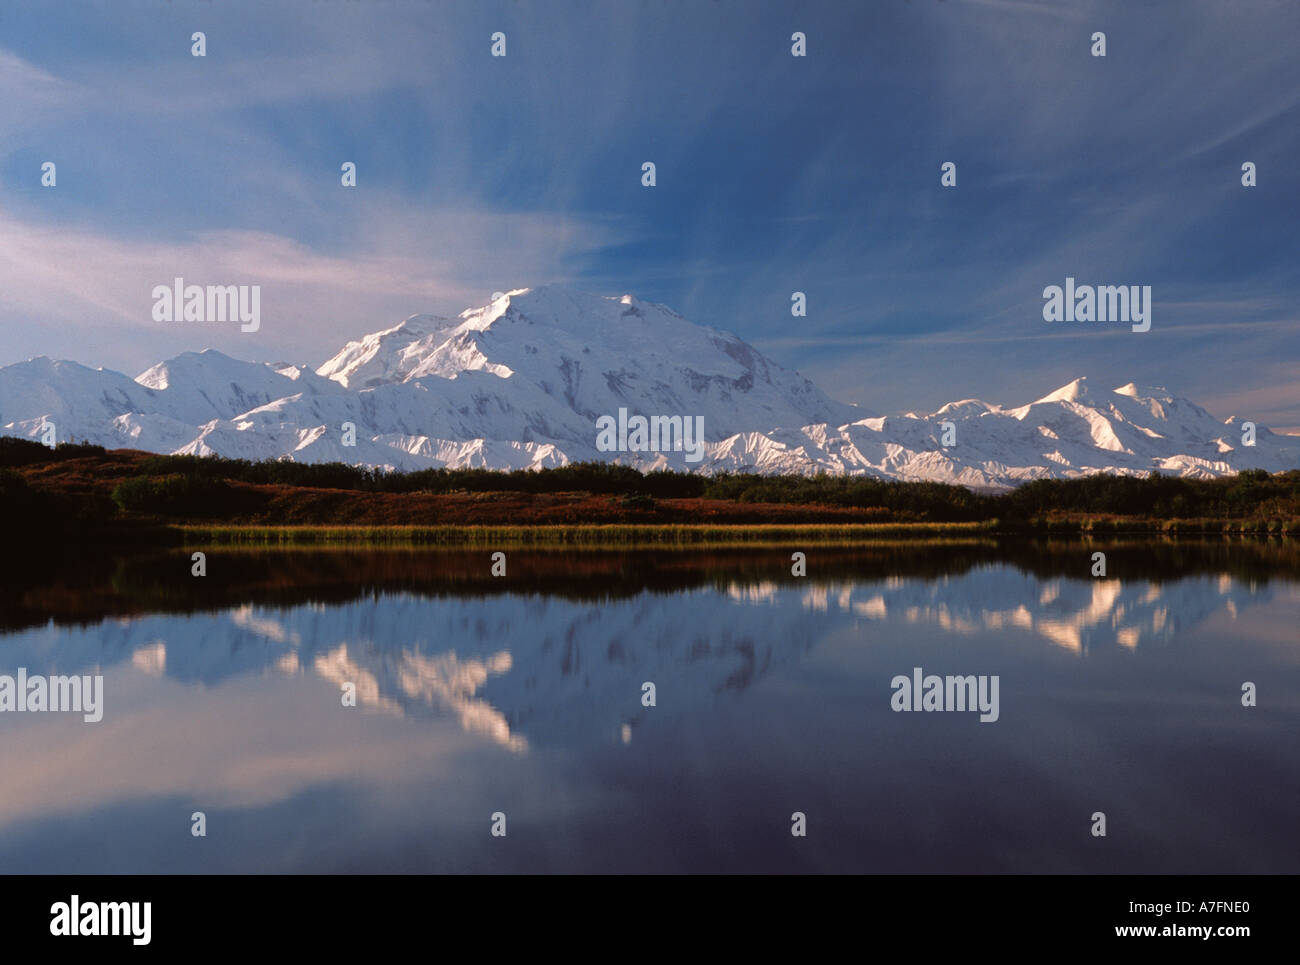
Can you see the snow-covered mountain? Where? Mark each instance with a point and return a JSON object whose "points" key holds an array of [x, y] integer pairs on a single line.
{"points": [[522, 381]]}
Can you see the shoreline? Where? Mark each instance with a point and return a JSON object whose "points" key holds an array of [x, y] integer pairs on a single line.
{"points": [[706, 534]]}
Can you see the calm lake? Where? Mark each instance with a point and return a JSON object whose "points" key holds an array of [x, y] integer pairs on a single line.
{"points": [[522, 696]]}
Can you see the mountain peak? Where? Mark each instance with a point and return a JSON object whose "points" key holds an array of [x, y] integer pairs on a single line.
{"points": [[161, 375], [1074, 391], [1135, 391], [571, 356]]}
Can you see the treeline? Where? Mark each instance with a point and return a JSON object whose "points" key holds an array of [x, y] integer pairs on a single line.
{"points": [[15, 453], [179, 481], [195, 483], [1252, 492]]}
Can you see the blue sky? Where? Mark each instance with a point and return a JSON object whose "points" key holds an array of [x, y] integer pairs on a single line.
{"points": [[775, 174]]}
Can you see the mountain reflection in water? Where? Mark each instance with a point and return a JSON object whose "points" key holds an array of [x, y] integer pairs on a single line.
{"points": [[772, 695]]}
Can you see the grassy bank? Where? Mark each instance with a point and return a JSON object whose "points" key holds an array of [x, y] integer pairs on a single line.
{"points": [[1142, 526], [622, 534]]}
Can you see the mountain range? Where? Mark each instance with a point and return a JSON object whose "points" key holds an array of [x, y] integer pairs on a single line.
{"points": [[521, 382]]}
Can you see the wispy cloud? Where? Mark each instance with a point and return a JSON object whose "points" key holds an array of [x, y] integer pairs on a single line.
{"points": [[95, 288], [776, 174]]}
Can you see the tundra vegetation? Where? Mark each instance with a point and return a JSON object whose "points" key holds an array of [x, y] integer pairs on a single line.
{"points": [[85, 490]]}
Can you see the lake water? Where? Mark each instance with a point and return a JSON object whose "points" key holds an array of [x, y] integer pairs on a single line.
{"points": [[523, 695]]}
